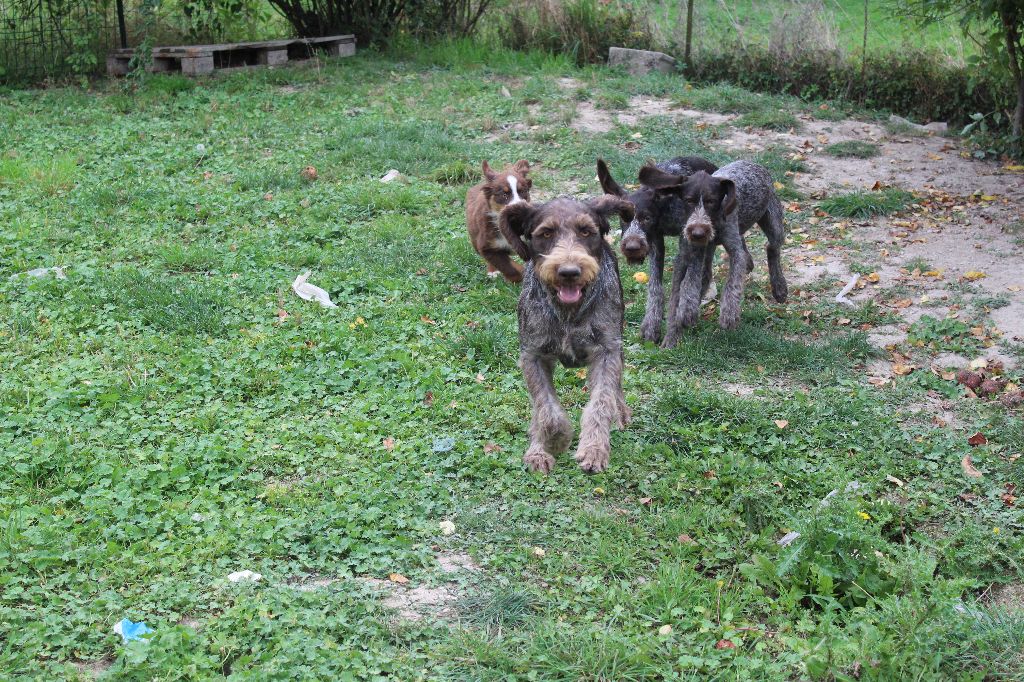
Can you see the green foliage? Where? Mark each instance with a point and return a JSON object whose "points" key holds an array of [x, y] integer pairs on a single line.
{"points": [[582, 29], [771, 120], [945, 335], [853, 149], [866, 204], [172, 412]]}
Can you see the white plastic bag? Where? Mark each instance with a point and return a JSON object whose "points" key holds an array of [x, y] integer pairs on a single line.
{"points": [[311, 292]]}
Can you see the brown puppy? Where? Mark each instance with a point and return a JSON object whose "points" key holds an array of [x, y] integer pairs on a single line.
{"points": [[483, 204]]}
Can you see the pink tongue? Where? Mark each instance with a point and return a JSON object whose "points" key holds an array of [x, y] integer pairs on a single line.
{"points": [[568, 294]]}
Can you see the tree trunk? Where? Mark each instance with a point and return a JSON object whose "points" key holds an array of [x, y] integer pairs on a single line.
{"points": [[689, 32], [1009, 19]]}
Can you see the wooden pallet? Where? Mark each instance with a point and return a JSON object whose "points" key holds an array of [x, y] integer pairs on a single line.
{"points": [[196, 60]]}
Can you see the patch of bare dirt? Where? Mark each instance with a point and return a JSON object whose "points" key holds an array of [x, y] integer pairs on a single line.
{"points": [[93, 669], [1008, 596]]}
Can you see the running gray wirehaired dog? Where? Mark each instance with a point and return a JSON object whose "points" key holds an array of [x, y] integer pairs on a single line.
{"points": [[657, 214], [721, 208], [570, 311]]}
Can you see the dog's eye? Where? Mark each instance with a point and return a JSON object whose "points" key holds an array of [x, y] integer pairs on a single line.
{"points": [[546, 233], [692, 201], [585, 231]]}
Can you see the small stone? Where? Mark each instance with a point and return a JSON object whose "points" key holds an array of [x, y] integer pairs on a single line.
{"points": [[665, 630]]}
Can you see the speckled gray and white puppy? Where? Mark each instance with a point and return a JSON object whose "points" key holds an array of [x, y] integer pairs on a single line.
{"points": [[570, 311], [721, 208], [658, 214]]}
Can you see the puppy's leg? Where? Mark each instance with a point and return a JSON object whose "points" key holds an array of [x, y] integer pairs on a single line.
{"points": [[550, 428], [650, 328], [709, 261], [605, 385], [499, 260], [732, 294], [688, 306], [774, 229]]}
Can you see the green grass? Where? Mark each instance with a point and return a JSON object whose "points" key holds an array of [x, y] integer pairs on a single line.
{"points": [[172, 412], [867, 204], [853, 149], [771, 120]]}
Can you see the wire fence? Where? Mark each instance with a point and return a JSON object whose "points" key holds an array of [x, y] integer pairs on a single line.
{"points": [[46, 39]]}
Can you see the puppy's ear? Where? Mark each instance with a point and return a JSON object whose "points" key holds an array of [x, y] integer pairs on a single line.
{"points": [[523, 166], [608, 204], [514, 223], [660, 181], [728, 196], [608, 183], [489, 175]]}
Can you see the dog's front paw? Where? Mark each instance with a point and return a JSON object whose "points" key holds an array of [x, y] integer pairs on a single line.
{"points": [[536, 459], [671, 339], [593, 458], [780, 292], [650, 330]]}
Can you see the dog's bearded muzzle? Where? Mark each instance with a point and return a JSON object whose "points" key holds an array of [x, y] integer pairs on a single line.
{"points": [[568, 269]]}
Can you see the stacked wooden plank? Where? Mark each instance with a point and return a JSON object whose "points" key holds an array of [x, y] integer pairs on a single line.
{"points": [[195, 60]]}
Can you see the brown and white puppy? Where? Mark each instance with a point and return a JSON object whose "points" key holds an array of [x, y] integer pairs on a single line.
{"points": [[570, 311], [484, 202]]}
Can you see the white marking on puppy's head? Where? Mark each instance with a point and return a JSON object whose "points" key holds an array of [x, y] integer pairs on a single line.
{"points": [[513, 183]]}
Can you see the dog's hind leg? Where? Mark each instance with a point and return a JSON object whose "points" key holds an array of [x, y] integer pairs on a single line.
{"points": [[774, 229], [499, 260], [603, 409], [650, 328], [550, 429]]}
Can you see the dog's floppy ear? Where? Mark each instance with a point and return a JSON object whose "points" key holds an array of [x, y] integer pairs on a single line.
{"points": [[728, 196], [514, 222], [608, 183], [523, 166], [489, 174], [660, 181], [608, 204]]}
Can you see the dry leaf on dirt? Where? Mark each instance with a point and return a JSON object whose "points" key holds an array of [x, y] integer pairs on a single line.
{"points": [[398, 578], [685, 539], [781, 423], [491, 447], [893, 479], [389, 443], [972, 275], [725, 644], [977, 439], [902, 370], [969, 468]]}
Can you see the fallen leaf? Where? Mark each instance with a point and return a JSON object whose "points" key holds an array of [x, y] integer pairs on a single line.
{"points": [[988, 197], [969, 468], [599, 490], [977, 439], [979, 363], [1014, 169], [421, 272], [491, 447], [389, 443], [934, 157], [779, 186], [428, 399], [479, 378], [873, 277], [878, 382], [710, 473], [781, 423], [282, 314], [725, 644], [447, 528], [537, 552], [685, 539], [309, 174], [877, 186], [268, 196], [581, 373], [427, 320], [641, 277], [973, 275], [893, 479], [398, 578], [902, 370], [903, 303], [646, 501], [665, 630]]}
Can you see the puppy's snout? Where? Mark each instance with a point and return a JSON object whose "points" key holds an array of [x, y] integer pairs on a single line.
{"points": [[699, 233], [634, 248], [569, 271]]}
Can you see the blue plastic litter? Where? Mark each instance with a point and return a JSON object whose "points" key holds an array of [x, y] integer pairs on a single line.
{"points": [[130, 631], [444, 444]]}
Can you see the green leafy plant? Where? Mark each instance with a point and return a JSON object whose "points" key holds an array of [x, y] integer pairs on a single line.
{"points": [[867, 203]]}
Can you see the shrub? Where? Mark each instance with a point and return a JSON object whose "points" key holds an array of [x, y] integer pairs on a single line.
{"points": [[583, 29]]}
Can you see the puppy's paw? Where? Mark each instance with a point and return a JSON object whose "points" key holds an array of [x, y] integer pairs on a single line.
{"points": [[729, 319], [780, 292], [536, 459], [624, 416], [650, 330], [593, 458], [493, 274]]}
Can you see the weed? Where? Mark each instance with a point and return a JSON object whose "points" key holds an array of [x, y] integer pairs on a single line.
{"points": [[867, 204], [943, 335], [853, 149], [771, 120]]}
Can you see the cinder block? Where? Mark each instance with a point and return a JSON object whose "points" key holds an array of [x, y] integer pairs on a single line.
{"points": [[341, 49], [197, 66], [273, 57]]}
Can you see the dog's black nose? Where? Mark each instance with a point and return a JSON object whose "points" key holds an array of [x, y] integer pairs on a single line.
{"points": [[698, 233], [569, 271]]}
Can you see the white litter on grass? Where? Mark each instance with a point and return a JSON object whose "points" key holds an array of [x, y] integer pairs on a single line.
{"points": [[198, 518], [311, 292], [850, 487], [841, 298], [447, 528], [391, 176], [245, 576], [57, 271], [788, 539]]}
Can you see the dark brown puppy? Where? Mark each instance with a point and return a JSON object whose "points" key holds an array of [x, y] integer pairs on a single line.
{"points": [[483, 204], [570, 311]]}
